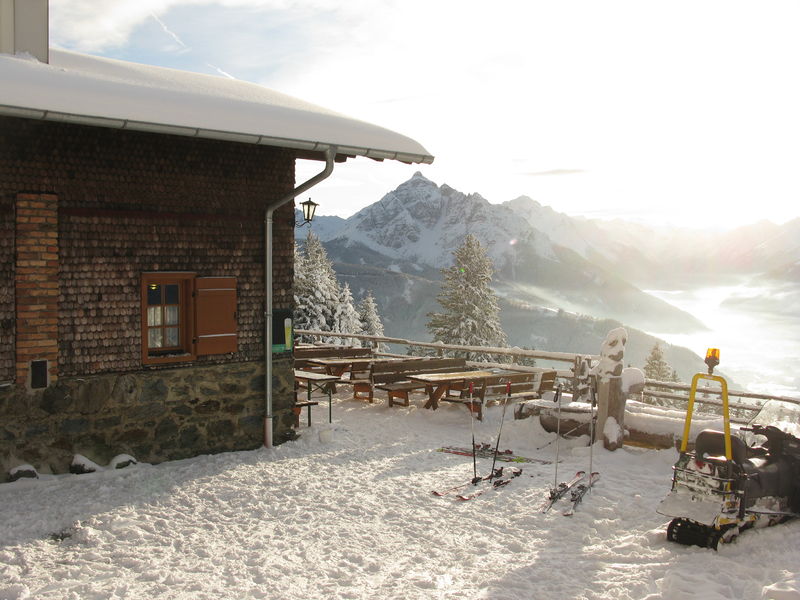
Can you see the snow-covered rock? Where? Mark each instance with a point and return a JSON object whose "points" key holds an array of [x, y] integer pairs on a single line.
{"points": [[121, 461], [81, 465], [23, 471]]}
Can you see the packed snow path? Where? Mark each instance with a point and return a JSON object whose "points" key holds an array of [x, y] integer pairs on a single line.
{"points": [[353, 517]]}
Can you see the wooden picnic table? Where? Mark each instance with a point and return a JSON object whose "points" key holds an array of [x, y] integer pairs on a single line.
{"points": [[340, 366], [438, 384], [315, 381]]}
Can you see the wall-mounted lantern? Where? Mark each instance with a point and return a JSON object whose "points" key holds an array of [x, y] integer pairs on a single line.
{"points": [[309, 208]]}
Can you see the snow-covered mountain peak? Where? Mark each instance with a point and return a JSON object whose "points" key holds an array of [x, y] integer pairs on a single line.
{"points": [[424, 223]]}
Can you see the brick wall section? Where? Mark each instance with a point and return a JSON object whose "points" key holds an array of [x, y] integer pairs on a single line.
{"points": [[131, 202], [36, 283], [7, 308]]}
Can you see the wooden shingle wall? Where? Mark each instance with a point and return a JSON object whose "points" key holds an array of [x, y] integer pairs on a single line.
{"points": [[130, 202]]}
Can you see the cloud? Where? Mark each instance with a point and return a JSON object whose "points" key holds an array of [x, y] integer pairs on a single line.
{"points": [[555, 172], [478, 86], [89, 26]]}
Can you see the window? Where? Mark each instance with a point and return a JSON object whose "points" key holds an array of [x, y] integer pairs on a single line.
{"points": [[185, 316]]}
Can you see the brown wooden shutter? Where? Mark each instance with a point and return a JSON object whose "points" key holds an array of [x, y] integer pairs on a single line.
{"points": [[215, 327]]}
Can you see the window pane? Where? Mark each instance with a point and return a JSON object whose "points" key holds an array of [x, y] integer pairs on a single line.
{"points": [[171, 293], [153, 294], [171, 335], [154, 338], [171, 315], [153, 316]]}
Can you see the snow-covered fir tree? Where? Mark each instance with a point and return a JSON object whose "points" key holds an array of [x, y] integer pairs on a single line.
{"points": [[345, 316], [370, 319], [316, 291], [656, 367], [471, 313]]}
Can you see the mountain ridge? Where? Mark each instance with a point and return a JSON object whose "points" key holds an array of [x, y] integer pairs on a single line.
{"points": [[416, 227]]}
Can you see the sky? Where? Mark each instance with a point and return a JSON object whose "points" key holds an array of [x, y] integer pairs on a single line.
{"points": [[680, 112]]}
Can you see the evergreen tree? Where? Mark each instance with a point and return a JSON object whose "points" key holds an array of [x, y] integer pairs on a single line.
{"points": [[656, 367], [345, 315], [471, 315], [316, 292], [370, 319]]}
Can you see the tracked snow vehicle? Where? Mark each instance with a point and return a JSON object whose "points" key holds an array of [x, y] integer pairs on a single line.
{"points": [[730, 483]]}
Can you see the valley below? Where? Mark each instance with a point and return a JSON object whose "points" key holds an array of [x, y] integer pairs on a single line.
{"points": [[755, 324]]}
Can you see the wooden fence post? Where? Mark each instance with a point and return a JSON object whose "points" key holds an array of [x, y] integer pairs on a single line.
{"points": [[610, 399], [580, 380]]}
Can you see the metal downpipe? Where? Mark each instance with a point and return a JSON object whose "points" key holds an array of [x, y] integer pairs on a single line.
{"points": [[330, 155]]}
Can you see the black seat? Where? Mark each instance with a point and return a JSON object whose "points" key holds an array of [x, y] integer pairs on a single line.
{"points": [[711, 442]]}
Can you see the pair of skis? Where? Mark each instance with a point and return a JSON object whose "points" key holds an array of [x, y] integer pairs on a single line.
{"points": [[577, 494], [485, 451], [499, 478], [579, 485], [575, 488]]}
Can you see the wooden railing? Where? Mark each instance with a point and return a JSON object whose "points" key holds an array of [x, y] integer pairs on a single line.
{"points": [[654, 389], [441, 348]]}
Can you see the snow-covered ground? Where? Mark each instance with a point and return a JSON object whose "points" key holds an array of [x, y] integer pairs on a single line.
{"points": [[347, 512]]}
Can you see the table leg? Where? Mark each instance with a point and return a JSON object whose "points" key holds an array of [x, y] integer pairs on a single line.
{"points": [[336, 372], [434, 396], [309, 401]]}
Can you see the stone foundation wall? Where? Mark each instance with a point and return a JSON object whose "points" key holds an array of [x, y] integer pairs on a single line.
{"points": [[159, 415]]}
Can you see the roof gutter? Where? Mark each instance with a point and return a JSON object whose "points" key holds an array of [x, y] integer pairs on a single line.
{"points": [[330, 156], [213, 134]]}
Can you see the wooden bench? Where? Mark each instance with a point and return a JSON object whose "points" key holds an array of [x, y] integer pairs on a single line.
{"points": [[392, 377], [495, 389]]}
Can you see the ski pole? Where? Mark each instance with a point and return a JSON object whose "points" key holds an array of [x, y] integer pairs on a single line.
{"points": [[558, 433], [578, 426], [472, 428], [500, 430], [591, 429]]}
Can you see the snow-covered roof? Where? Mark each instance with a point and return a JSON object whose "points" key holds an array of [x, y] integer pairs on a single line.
{"points": [[91, 90]]}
